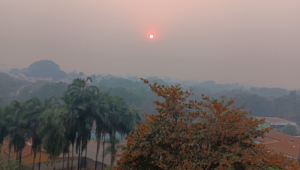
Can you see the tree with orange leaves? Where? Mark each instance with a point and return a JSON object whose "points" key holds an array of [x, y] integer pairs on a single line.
{"points": [[206, 134]]}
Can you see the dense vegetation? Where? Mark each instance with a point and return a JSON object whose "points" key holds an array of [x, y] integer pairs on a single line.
{"points": [[63, 122], [27, 105], [12, 165], [58, 124], [8, 87], [205, 134], [271, 102], [289, 129]]}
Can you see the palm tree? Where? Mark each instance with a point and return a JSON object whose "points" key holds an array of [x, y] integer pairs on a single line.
{"points": [[66, 150], [121, 119], [83, 96], [113, 148], [18, 127], [5, 120], [68, 110], [54, 140], [4, 124], [116, 109], [102, 124], [37, 108]]}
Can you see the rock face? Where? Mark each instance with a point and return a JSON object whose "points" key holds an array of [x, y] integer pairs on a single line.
{"points": [[44, 69]]}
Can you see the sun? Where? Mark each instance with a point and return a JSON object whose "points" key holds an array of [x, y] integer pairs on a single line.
{"points": [[151, 36]]}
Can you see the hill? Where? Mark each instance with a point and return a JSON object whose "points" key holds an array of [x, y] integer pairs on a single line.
{"points": [[42, 69]]}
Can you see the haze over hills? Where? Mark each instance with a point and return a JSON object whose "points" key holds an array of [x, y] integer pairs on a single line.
{"points": [[45, 79], [175, 84], [42, 69], [237, 41], [50, 69]]}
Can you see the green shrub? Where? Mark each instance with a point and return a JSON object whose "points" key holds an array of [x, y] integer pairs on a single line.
{"points": [[12, 165]]}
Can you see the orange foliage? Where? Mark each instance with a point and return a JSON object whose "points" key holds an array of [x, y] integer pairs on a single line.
{"points": [[206, 134]]}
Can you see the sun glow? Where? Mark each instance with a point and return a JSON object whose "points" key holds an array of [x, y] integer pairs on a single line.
{"points": [[151, 36]]}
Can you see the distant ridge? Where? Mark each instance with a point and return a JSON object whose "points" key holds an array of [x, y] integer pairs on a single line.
{"points": [[42, 69]]}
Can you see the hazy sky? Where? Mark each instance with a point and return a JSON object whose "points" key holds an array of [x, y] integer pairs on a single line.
{"points": [[244, 41]]}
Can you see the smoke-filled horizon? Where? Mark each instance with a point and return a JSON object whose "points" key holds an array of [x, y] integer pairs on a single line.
{"points": [[248, 42]]}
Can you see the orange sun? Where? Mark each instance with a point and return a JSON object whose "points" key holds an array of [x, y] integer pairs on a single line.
{"points": [[151, 36]]}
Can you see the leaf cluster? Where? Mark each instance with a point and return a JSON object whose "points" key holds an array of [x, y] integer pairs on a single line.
{"points": [[191, 134]]}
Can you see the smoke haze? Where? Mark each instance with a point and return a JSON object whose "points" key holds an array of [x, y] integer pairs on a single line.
{"points": [[249, 41]]}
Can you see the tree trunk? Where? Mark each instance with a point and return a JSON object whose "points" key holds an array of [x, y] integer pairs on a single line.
{"points": [[17, 156], [98, 147], [20, 157], [9, 149], [63, 165], [79, 158], [72, 156], [68, 164], [85, 156], [33, 139], [34, 155], [54, 164], [40, 158], [112, 146], [103, 147], [111, 161]]}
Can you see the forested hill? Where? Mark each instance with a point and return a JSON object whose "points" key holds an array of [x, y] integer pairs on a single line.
{"points": [[9, 86], [42, 69], [275, 102]]}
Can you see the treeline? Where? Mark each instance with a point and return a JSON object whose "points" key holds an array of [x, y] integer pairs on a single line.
{"points": [[58, 124], [286, 106], [262, 102], [273, 102]]}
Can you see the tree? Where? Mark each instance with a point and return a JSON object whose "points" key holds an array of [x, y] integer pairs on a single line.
{"points": [[121, 119], [56, 125], [113, 148], [68, 109], [191, 134], [18, 127], [54, 139], [289, 129], [4, 124], [6, 121], [9, 85], [288, 107], [83, 96], [36, 109], [12, 165], [102, 124]]}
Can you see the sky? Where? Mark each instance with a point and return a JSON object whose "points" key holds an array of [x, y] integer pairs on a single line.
{"points": [[253, 42]]}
